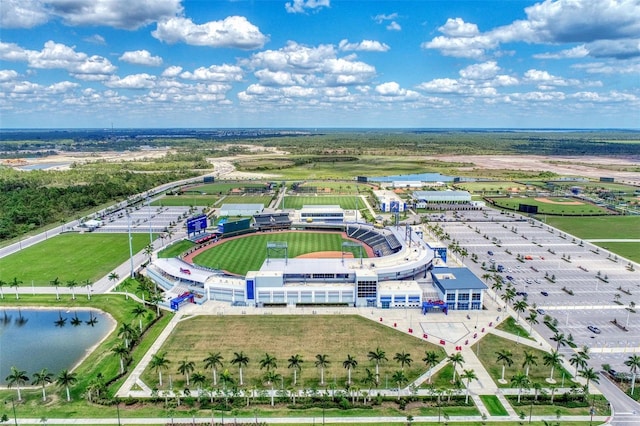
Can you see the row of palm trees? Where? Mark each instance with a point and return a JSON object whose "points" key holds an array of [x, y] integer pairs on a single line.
{"points": [[19, 378], [214, 362], [71, 284]]}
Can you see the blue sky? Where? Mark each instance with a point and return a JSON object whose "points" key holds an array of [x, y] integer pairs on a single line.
{"points": [[320, 63]]}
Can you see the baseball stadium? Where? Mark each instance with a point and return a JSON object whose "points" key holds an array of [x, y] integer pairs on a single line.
{"points": [[315, 256]]}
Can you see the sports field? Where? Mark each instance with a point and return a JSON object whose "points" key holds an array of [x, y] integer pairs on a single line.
{"points": [[283, 336], [248, 199], [245, 254], [611, 227], [553, 205], [345, 202], [221, 188], [70, 257]]}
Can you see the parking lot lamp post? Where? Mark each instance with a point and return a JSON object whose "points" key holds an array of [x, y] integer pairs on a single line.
{"points": [[130, 243], [149, 211]]}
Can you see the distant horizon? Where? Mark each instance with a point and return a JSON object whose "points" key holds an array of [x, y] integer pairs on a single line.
{"points": [[319, 128]]}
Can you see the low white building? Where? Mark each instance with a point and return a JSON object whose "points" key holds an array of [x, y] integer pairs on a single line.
{"points": [[388, 201]]}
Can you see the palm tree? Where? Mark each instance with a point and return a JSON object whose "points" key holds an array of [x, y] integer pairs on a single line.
{"points": [[66, 379], [72, 285], [42, 378], [186, 367], [198, 379], [520, 380], [113, 277], [369, 379], [508, 295], [271, 377], [15, 283], [633, 362], [87, 283], [577, 361], [56, 283], [268, 361], [322, 362], [138, 312], [560, 340], [295, 362], [122, 351], [241, 360], [128, 333], [18, 378], [552, 359], [399, 379], [403, 359], [532, 319], [469, 375], [213, 361], [430, 359], [590, 375], [350, 363], [506, 358], [378, 356], [520, 306], [529, 360], [159, 362], [496, 286], [456, 359]]}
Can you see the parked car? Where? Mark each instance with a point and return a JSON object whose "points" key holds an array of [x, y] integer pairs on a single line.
{"points": [[594, 329], [540, 311], [544, 293], [490, 253]]}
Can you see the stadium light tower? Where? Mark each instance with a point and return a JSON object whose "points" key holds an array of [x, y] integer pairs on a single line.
{"points": [[130, 243], [149, 210]]}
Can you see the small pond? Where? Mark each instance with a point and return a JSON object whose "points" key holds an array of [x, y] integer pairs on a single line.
{"points": [[33, 339]]}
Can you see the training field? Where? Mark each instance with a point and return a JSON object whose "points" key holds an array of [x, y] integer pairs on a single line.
{"points": [[70, 257], [600, 227], [245, 254], [553, 205], [221, 188], [345, 202], [283, 336], [247, 199]]}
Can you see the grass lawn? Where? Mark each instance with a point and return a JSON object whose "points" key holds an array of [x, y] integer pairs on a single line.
{"points": [[284, 336], [346, 202], [232, 255], [481, 187], [346, 187], [551, 208], [249, 199], [629, 250], [511, 326], [490, 344], [493, 404], [175, 249], [221, 188], [613, 227], [70, 256]]}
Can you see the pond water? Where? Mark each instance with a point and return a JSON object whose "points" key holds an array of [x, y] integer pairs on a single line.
{"points": [[33, 339]]}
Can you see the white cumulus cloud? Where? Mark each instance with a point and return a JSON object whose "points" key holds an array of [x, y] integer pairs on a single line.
{"points": [[364, 46], [133, 81], [233, 32], [215, 73], [141, 57]]}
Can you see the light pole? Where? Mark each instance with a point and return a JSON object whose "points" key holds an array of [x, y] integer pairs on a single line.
{"points": [[130, 243], [149, 219]]}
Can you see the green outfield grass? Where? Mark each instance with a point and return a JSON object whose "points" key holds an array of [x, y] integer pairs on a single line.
{"points": [[175, 249], [233, 255], [70, 256], [249, 199], [188, 200], [612, 227], [551, 208], [285, 335], [345, 187], [345, 202]]}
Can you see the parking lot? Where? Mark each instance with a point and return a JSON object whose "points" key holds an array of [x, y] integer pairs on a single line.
{"points": [[584, 285], [159, 218]]}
